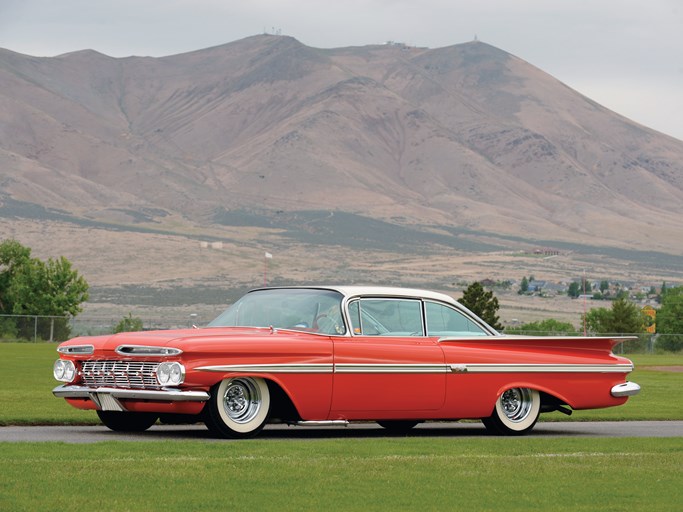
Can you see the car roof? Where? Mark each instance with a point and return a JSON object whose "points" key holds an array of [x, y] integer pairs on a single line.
{"points": [[352, 291], [369, 291]]}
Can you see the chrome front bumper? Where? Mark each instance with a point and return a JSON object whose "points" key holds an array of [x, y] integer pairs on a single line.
{"points": [[625, 389], [108, 398]]}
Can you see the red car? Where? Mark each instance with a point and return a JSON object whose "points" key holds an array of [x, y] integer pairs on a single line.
{"points": [[331, 355]]}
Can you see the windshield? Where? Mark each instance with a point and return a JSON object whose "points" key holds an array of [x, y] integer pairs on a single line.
{"points": [[300, 309]]}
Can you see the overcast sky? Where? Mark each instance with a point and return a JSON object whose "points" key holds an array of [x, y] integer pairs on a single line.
{"points": [[625, 54]]}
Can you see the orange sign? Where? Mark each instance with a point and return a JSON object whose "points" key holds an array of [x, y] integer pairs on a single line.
{"points": [[651, 313]]}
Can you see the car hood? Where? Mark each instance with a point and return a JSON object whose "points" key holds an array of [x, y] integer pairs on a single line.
{"points": [[182, 338]]}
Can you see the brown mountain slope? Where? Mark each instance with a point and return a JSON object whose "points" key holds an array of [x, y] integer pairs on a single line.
{"points": [[466, 136]]}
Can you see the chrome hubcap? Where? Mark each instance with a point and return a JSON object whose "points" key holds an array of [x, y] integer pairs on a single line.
{"points": [[242, 400], [516, 404]]}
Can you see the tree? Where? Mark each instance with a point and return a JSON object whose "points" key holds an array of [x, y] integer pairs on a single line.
{"points": [[129, 324], [662, 292], [524, 286], [604, 286], [596, 319], [623, 318], [13, 256], [622, 295], [574, 290], [30, 286], [546, 327], [670, 320], [482, 304], [47, 288]]}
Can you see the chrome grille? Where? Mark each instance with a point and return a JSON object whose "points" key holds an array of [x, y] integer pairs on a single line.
{"points": [[120, 374]]}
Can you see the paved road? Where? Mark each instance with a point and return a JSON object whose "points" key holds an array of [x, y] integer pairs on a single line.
{"points": [[80, 434]]}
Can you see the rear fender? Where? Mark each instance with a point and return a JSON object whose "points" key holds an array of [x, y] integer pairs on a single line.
{"points": [[547, 394]]}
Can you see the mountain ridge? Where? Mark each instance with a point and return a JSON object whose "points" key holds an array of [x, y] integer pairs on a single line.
{"points": [[462, 136]]}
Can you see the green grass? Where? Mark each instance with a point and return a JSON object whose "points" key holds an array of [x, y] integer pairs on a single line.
{"points": [[26, 383], [480, 473], [561, 474]]}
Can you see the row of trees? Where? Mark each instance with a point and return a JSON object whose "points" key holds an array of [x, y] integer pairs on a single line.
{"points": [[623, 317], [30, 286], [601, 291]]}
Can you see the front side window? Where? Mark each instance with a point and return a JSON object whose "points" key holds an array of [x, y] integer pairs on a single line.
{"points": [[445, 321], [307, 310], [386, 317]]}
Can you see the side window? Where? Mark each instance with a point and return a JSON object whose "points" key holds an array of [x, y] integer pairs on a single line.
{"points": [[445, 321], [387, 317]]}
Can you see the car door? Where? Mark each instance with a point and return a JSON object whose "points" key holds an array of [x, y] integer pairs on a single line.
{"points": [[387, 367]]}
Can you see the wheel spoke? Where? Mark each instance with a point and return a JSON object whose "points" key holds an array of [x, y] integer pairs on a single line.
{"points": [[242, 400]]}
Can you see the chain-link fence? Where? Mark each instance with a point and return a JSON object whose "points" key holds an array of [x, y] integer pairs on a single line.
{"points": [[38, 328], [35, 328]]}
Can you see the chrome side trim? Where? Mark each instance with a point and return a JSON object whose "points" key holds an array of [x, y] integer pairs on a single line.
{"points": [[468, 337], [162, 395], [541, 368], [391, 368], [143, 350], [625, 389], [326, 423], [84, 350], [328, 368], [419, 368], [269, 368]]}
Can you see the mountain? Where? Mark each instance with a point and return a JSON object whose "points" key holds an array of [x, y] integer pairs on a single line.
{"points": [[466, 139]]}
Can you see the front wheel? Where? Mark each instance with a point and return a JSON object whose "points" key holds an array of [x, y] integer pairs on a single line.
{"points": [[515, 413], [238, 407], [127, 421]]}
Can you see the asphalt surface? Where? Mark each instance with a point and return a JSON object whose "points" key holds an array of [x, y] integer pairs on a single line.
{"points": [[94, 434]]}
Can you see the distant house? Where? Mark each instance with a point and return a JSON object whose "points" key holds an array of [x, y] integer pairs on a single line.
{"points": [[557, 288], [537, 286], [546, 251]]}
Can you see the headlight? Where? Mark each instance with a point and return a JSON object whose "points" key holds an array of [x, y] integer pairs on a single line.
{"points": [[170, 374], [64, 370]]}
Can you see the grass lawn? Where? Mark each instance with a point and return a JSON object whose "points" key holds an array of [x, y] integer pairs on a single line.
{"points": [[392, 473], [561, 474]]}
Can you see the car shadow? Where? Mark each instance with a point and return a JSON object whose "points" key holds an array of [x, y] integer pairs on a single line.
{"points": [[354, 431]]}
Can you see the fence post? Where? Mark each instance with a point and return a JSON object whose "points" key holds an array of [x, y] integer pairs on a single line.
{"points": [[35, 329]]}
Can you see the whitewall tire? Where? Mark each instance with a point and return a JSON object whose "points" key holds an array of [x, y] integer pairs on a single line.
{"points": [[515, 413], [238, 407]]}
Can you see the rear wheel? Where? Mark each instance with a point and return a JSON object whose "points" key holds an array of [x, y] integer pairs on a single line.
{"points": [[127, 421], [238, 407], [515, 413]]}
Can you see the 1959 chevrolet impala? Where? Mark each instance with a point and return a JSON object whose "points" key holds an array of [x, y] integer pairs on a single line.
{"points": [[332, 355]]}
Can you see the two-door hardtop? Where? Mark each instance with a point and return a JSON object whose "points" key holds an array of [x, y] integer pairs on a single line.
{"points": [[331, 355]]}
